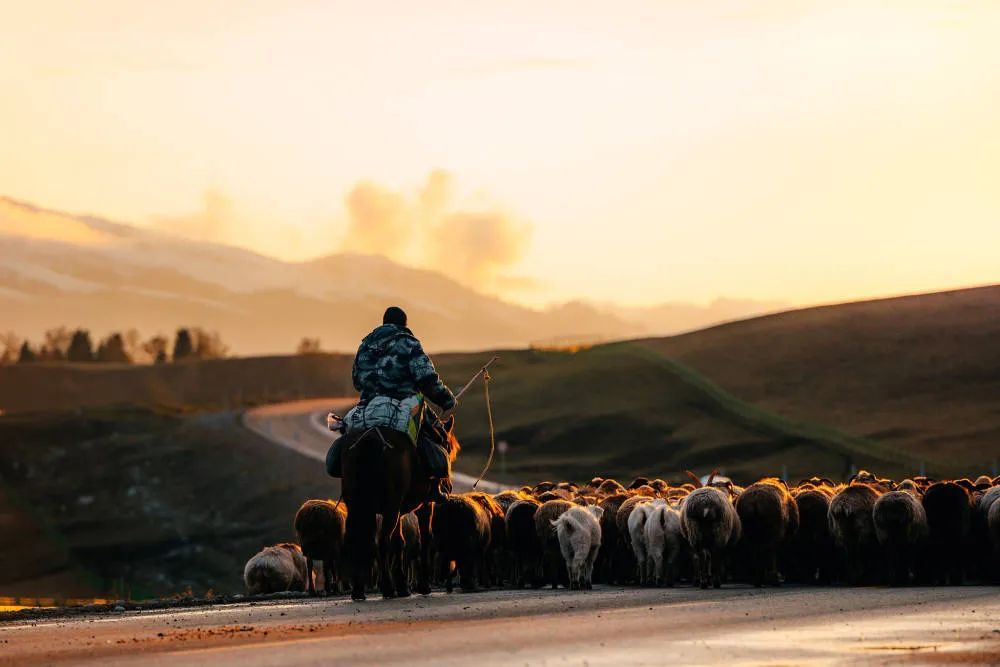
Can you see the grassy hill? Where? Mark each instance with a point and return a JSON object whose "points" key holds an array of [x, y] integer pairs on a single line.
{"points": [[920, 374]]}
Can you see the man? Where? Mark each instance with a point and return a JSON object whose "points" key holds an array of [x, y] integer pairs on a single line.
{"points": [[391, 363]]}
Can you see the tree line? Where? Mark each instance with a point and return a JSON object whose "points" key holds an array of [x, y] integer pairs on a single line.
{"points": [[62, 344]]}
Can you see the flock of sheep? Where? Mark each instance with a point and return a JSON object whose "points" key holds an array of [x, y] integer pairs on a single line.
{"points": [[866, 531]]}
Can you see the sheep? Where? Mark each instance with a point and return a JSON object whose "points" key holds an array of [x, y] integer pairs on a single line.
{"points": [[544, 516], [461, 530], [853, 530], [610, 487], [993, 529], [948, 506], [578, 530], [613, 558], [522, 542], [320, 526], [711, 525], [664, 543], [637, 537], [809, 551], [769, 516], [276, 569], [412, 546], [496, 561], [989, 567], [901, 528]]}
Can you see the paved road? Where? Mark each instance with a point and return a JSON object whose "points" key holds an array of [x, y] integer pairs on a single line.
{"points": [[301, 426], [607, 626]]}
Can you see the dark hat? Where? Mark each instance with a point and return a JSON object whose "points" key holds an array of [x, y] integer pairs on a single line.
{"points": [[394, 315]]}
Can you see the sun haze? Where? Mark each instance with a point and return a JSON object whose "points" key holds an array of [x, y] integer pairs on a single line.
{"points": [[634, 152]]}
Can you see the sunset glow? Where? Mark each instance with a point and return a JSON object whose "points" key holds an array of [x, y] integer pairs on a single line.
{"points": [[635, 152]]}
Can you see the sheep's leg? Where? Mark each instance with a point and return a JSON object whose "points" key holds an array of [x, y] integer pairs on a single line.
{"points": [[328, 575], [591, 561], [310, 582]]}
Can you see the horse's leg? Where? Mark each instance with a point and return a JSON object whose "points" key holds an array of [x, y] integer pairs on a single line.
{"points": [[398, 562], [361, 543], [388, 552], [424, 515], [310, 581]]}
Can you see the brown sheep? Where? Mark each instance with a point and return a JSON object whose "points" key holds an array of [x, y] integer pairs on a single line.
{"points": [[496, 561], [276, 569], [552, 562], [711, 526], [610, 487], [614, 559], [901, 529], [769, 517], [853, 530], [320, 526], [461, 530], [522, 543], [948, 506], [809, 554]]}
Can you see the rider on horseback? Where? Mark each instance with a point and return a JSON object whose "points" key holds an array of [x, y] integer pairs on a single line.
{"points": [[391, 363]]}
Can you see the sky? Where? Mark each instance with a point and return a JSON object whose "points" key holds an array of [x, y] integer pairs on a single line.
{"points": [[635, 152]]}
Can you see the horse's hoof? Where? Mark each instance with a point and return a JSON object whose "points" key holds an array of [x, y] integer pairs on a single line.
{"points": [[403, 592], [358, 597]]}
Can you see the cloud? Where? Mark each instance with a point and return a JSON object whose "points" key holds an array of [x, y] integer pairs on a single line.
{"points": [[473, 245], [216, 222]]}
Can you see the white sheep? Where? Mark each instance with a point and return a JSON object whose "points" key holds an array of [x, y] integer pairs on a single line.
{"points": [[579, 533], [637, 536], [664, 542]]}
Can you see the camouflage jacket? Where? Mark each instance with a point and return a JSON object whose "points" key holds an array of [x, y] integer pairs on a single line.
{"points": [[391, 362]]}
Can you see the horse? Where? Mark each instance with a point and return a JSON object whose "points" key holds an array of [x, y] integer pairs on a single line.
{"points": [[382, 476]]}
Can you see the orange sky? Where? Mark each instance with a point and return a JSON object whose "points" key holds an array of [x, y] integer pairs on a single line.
{"points": [[632, 151]]}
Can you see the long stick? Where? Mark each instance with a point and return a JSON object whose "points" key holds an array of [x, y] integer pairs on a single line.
{"points": [[474, 378]]}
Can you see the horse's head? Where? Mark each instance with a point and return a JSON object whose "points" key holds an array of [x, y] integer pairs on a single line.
{"points": [[442, 432]]}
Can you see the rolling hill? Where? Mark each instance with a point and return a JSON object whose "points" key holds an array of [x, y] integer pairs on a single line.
{"points": [[61, 269], [920, 373]]}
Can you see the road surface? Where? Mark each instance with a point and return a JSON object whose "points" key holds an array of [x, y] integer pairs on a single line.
{"points": [[606, 626], [301, 426]]}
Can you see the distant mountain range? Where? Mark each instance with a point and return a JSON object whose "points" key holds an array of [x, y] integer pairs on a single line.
{"points": [[61, 269]]}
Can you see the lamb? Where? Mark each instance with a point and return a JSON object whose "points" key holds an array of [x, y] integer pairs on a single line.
{"points": [[664, 543], [949, 515], [544, 516], [853, 530], [637, 537], [522, 542], [276, 569], [578, 530], [461, 530], [901, 528], [711, 525], [769, 516], [320, 526]]}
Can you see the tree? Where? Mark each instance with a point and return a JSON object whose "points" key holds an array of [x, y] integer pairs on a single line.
{"points": [[308, 346], [10, 342], [112, 350], [183, 347], [57, 342], [80, 347], [156, 349], [208, 345], [134, 347], [26, 355]]}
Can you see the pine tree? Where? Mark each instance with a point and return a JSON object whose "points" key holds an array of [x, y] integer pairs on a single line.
{"points": [[183, 347], [80, 347], [26, 355]]}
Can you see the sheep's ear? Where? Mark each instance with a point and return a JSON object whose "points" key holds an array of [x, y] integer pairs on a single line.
{"points": [[711, 477], [694, 478], [449, 424], [597, 511]]}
